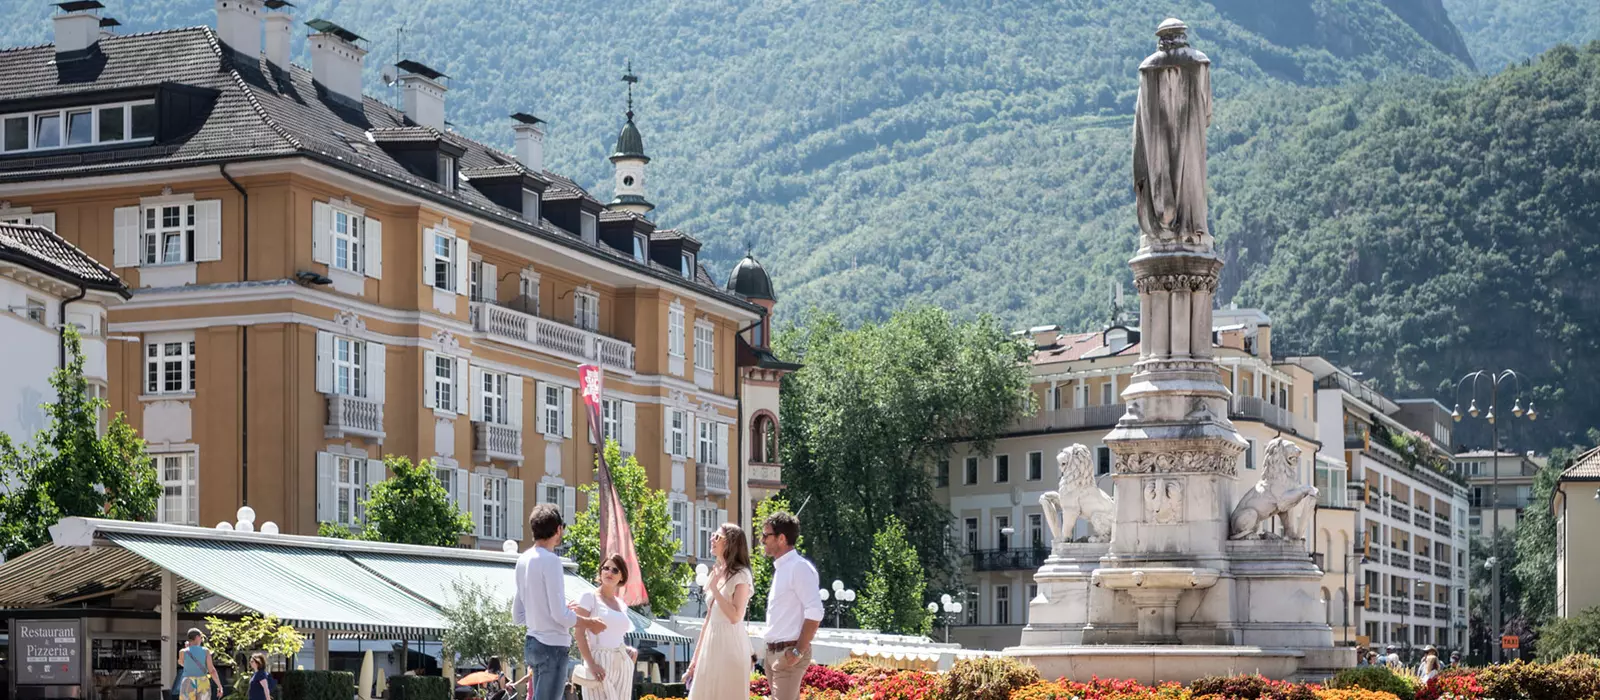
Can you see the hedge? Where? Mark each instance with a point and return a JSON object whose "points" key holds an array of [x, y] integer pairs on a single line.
{"points": [[419, 688], [319, 685]]}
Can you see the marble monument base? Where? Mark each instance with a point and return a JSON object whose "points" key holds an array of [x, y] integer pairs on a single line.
{"points": [[1159, 663], [1056, 617]]}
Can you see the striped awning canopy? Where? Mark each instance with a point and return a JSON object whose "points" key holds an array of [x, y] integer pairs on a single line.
{"points": [[364, 589]]}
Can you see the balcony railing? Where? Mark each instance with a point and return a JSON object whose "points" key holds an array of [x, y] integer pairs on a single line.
{"points": [[1263, 410], [1009, 559], [1423, 521], [1103, 416], [1401, 560], [544, 335], [353, 416], [710, 481], [1399, 607], [1422, 566], [1441, 570], [766, 475], [1441, 612], [1400, 512], [495, 441]]}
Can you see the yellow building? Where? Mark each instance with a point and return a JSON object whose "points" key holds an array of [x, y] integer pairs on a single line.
{"points": [[321, 280], [1576, 503]]}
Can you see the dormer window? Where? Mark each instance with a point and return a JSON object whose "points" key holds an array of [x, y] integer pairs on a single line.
{"points": [[447, 172], [586, 227], [81, 126], [688, 266], [641, 247], [530, 205]]}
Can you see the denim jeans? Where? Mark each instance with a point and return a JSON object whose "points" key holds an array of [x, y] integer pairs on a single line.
{"points": [[549, 667]]}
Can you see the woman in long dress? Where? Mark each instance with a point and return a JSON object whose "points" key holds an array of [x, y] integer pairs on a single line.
{"points": [[609, 659], [720, 669]]}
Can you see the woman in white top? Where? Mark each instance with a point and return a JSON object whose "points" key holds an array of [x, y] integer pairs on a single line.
{"points": [[608, 658], [721, 666]]}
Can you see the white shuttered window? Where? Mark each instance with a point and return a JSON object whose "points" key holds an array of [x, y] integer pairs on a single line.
{"points": [[180, 493]]}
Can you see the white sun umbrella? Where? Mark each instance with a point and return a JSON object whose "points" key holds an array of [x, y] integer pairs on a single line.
{"points": [[365, 690]]}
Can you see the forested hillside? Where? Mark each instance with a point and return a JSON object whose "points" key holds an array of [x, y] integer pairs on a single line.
{"points": [[1499, 32], [974, 154]]}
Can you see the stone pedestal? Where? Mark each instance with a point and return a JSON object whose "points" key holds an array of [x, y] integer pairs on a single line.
{"points": [[1059, 613]]}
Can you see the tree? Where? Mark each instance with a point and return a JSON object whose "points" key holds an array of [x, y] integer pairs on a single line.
{"points": [[648, 521], [480, 625], [412, 507], [1578, 634], [70, 469], [1480, 601], [233, 641], [1536, 545], [892, 601], [874, 409], [760, 565]]}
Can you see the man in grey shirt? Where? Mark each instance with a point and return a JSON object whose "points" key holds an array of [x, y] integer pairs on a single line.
{"points": [[541, 605]]}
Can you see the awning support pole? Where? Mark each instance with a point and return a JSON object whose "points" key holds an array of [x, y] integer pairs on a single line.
{"points": [[169, 629], [321, 647], [672, 664]]}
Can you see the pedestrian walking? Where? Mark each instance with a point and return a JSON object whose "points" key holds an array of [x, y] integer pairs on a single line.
{"points": [[261, 682], [199, 672], [794, 609], [540, 604], [607, 670], [1430, 666], [718, 669]]}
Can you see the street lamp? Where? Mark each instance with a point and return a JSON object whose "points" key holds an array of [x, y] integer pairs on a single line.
{"points": [[1494, 379], [841, 597], [946, 611], [697, 590]]}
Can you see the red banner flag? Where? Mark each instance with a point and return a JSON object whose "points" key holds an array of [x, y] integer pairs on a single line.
{"points": [[615, 537]]}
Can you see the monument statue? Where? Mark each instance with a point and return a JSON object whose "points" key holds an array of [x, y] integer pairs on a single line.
{"points": [[1169, 139], [1278, 494], [1077, 496]]}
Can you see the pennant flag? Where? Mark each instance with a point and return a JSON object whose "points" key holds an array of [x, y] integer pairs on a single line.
{"points": [[615, 537]]}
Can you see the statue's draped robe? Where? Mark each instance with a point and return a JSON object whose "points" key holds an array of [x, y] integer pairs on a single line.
{"points": [[1169, 144]]}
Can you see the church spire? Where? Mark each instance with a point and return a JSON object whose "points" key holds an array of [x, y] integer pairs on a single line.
{"points": [[629, 159]]}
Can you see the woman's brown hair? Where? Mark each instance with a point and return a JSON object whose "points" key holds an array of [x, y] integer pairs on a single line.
{"points": [[258, 661], [622, 567], [735, 548]]}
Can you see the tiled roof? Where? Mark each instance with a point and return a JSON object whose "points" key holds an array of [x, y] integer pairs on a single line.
{"points": [[1586, 466], [1077, 346], [40, 249], [263, 111]]}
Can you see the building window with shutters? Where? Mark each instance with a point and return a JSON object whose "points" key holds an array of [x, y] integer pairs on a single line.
{"points": [[705, 346], [553, 420], [493, 503], [350, 489], [708, 525], [445, 257], [680, 526], [346, 233], [179, 488], [710, 448], [675, 332], [169, 233], [494, 394], [1035, 466], [586, 310], [444, 382], [475, 281], [349, 377], [169, 367], [447, 479], [611, 420], [677, 433]]}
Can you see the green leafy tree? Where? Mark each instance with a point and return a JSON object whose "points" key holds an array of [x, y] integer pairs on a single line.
{"points": [[648, 521], [1535, 569], [760, 565], [412, 507], [892, 601], [480, 625], [336, 531], [70, 469], [1562, 637], [874, 408], [233, 641]]}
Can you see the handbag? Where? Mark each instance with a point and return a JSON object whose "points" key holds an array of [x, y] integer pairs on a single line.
{"points": [[582, 678]]}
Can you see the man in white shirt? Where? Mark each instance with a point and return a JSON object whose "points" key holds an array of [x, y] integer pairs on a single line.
{"points": [[794, 609], [541, 605]]}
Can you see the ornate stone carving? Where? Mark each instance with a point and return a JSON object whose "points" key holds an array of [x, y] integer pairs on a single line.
{"points": [[1181, 461], [447, 343], [1176, 283], [1169, 140], [1077, 496], [1200, 411], [1163, 501], [1135, 411], [1277, 495], [350, 321]]}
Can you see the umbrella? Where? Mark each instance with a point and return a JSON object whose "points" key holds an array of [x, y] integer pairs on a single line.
{"points": [[479, 678], [365, 693]]}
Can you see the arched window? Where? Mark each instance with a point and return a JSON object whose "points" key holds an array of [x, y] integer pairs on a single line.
{"points": [[1327, 607], [764, 439]]}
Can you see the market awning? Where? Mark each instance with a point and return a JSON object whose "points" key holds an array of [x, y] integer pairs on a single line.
{"points": [[434, 580], [307, 588]]}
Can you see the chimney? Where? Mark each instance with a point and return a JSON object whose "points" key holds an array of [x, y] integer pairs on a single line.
{"points": [[108, 26], [78, 26], [421, 93], [336, 60], [529, 141], [276, 40], [239, 25]]}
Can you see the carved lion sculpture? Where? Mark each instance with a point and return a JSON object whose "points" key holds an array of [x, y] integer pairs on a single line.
{"points": [[1076, 497], [1278, 494]]}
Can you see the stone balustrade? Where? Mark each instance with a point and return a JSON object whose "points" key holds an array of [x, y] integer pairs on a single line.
{"points": [[544, 335], [353, 416]]}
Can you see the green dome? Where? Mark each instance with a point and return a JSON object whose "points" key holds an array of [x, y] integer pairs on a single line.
{"points": [[629, 143], [750, 280]]}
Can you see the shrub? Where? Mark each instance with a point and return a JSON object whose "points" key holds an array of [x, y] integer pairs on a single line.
{"points": [[1353, 694], [759, 686], [903, 685], [1457, 683], [662, 691], [1251, 688], [419, 688], [319, 685], [824, 678], [1379, 678], [1574, 677], [856, 666], [1046, 690], [988, 678]]}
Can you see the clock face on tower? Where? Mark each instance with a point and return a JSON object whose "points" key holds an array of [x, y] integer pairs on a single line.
{"points": [[627, 180]]}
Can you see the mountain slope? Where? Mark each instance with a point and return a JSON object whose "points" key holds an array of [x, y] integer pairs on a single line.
{"points": [[1499, 32]]}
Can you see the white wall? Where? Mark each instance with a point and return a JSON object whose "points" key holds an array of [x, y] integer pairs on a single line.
{"points": [[29, 352]]}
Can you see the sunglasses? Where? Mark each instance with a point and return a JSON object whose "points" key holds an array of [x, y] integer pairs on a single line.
{"points": [[767, 535], [610, 570]]}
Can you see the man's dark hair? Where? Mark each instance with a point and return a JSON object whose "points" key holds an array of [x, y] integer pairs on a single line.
{"points": [[784, 525], [194, 633], [544, 521]]}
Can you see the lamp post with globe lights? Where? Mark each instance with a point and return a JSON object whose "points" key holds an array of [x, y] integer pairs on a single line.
{"points": [[841, 596], [1493, 380], [946, 612], [697, 589]]}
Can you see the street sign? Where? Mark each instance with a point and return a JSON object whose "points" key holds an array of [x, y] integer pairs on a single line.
{"points": [[1510, 641], [47, 652]]}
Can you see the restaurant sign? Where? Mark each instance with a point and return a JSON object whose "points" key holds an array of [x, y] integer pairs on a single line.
{"points": [[47, 652]]}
